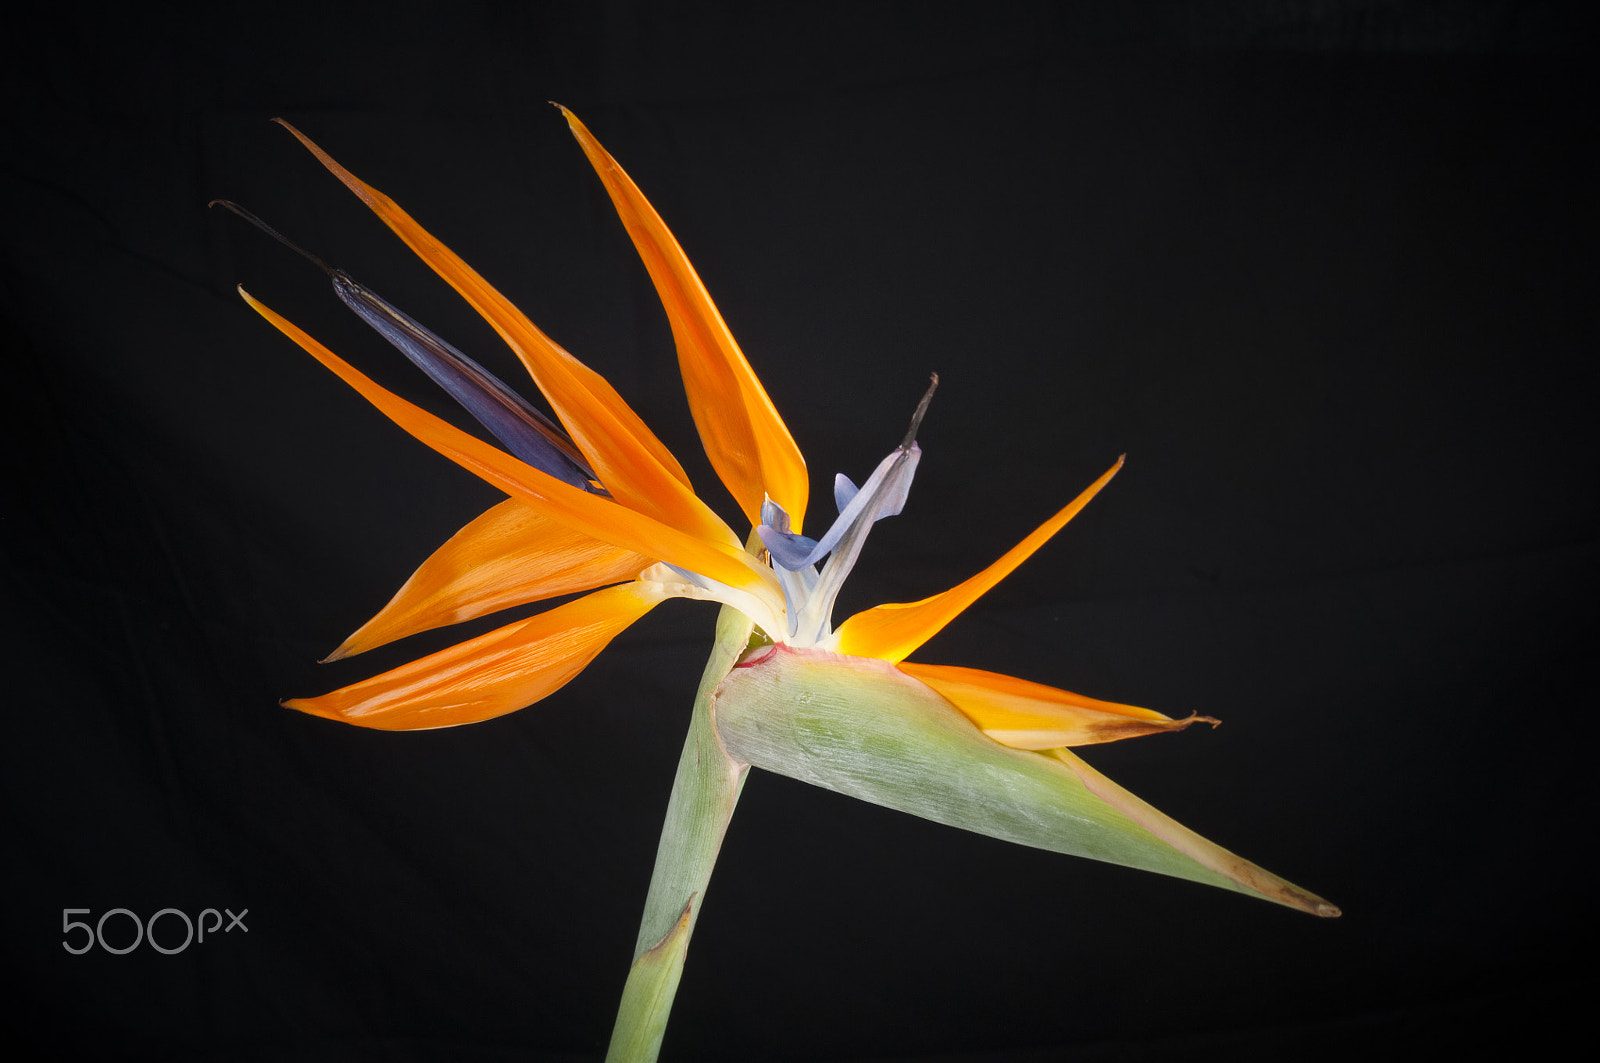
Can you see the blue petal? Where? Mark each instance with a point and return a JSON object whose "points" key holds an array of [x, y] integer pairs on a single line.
{"points": [[523, 430], [789, 551], [843, 491], [885, 492], [774, 515], [786, 548]]}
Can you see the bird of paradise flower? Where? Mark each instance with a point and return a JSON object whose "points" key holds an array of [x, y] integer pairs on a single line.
{"points": [[597, 504]]}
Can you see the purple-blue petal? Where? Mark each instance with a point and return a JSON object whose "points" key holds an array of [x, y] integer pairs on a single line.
{"points": [[525, 432]]}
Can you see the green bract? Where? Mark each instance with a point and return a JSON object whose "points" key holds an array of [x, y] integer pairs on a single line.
{"points": [[866, 729]]}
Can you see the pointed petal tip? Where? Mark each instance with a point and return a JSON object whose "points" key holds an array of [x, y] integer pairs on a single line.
{"points": [[309, 707], [1247, 877], [895, 630], [574, 123], [1293, 896], [364, 192], [298, 705]]}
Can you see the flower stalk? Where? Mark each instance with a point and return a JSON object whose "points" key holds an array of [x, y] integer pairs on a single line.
{"points": [[704, 793]]}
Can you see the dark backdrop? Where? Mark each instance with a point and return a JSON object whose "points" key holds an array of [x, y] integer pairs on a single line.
{"points": [[1325, 271]]}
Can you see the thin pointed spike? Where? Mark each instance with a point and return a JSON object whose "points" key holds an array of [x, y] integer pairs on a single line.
{"points": [[250, 216]]}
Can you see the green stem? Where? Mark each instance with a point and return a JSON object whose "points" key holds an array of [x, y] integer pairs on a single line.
{"points": [[704, 793]]}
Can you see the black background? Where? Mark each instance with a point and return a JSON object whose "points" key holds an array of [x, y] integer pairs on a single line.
{"points": [[1325, 271]]}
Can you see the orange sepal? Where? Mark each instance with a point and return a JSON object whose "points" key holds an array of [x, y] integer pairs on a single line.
{"points": [[590, 514], [1024, 715], [895, 630], [636, 467], [511, 555], [505, 670], [746, 440]]}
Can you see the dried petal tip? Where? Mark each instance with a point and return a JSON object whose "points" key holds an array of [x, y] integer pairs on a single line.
{"points": [[921, 412]]}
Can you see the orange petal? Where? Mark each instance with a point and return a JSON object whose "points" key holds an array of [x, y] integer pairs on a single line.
{"points": [[491, 675], [744, 437], [894, 631], [511, 555], [633, 464], [588, 513], [1024, 715]]}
